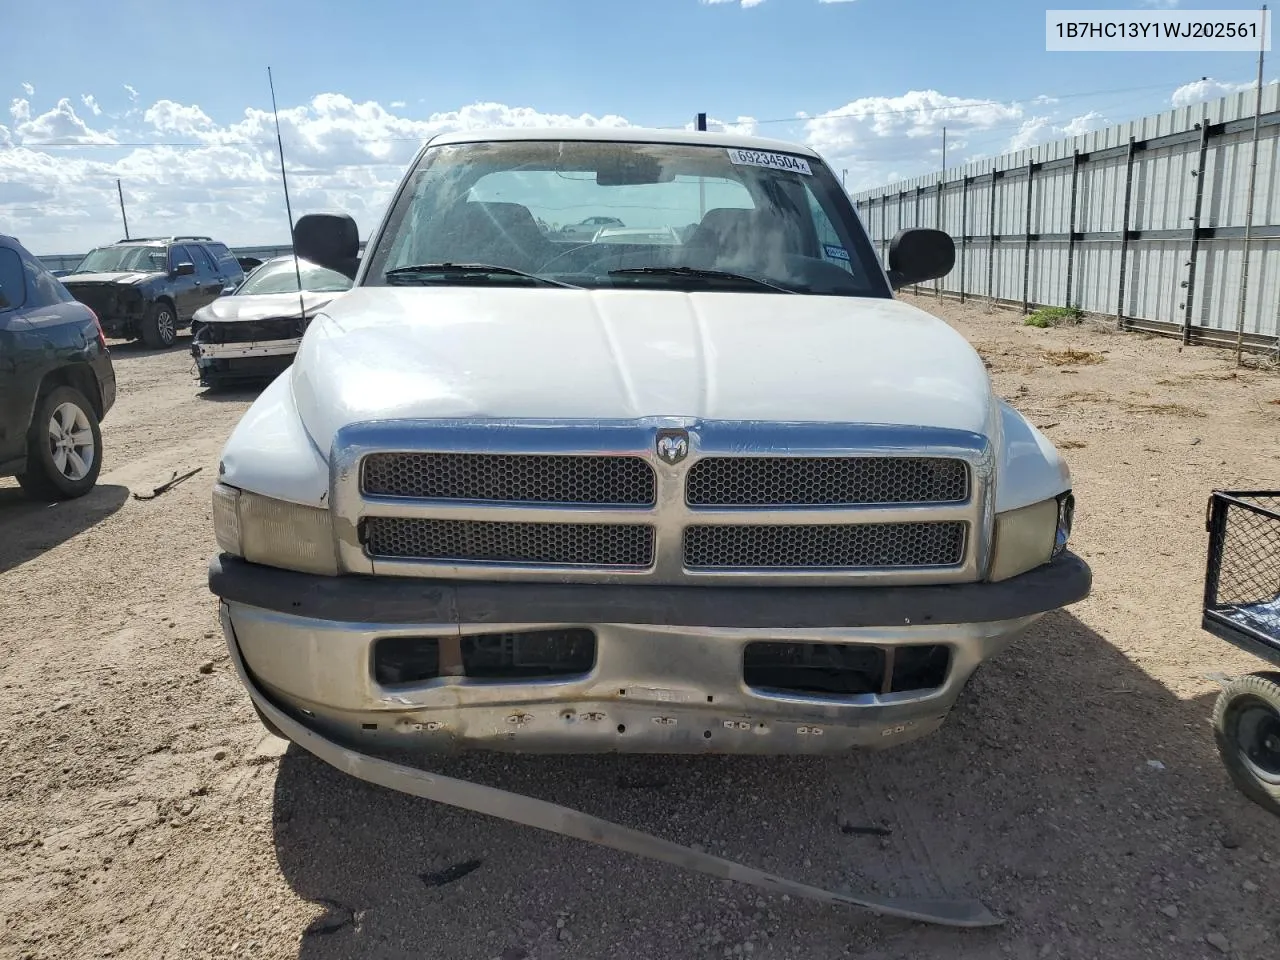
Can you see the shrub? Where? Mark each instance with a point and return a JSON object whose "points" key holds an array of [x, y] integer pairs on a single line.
{"points": [[1053, 316]]}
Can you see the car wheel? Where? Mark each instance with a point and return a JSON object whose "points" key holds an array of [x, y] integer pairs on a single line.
{"points": [[1246, 726], [160, 326], [64, 447]]}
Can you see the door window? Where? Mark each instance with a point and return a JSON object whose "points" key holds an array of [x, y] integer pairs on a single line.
{"points": [[13, 286], [205, 266], [44, 286]]}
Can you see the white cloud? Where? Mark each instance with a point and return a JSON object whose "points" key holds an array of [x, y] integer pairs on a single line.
{"points": [[133, 94], [60, 125], [868, 134], [1207, 89], [747, 4], [28, 89], [91, 103], [835, 1], [397, 104], [1087, 123], [341, 154], [1159, 4]]}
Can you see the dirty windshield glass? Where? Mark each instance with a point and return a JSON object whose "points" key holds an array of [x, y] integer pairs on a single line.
{"points": [[282, 277], [625, 215], [124, 259]]}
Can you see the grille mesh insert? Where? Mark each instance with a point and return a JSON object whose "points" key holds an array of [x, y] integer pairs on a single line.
{"points": [[514, 478], [826, 481], [820, 546], [559, 544]]}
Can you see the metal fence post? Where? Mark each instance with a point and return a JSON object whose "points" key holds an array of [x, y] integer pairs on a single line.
{"points": [[1124, 233], [915, 288], [964, 232], [991, 244], [1198, 173], [884, 229], [1026, 247], [1071, 223], [937, 284]]}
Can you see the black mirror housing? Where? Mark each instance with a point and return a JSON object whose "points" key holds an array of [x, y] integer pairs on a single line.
{"points": [[330, 240], [920, 254], [184, 269]]}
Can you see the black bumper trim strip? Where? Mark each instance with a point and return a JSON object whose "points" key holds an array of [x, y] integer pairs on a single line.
{"points": [[392, 600]]}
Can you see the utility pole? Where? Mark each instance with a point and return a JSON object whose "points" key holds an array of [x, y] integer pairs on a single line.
{"points": [[844, 179], [944, 149], [700, 123], [1248, 205], [120, 193]]}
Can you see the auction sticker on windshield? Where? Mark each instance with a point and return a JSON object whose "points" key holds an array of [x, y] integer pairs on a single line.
{"points": [[774, 161]]}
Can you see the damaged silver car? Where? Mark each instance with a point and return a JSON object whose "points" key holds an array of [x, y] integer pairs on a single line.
{"points": [[253, 333]]}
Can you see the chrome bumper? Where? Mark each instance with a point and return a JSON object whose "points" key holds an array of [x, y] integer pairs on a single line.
{"points": [[653, 689], [567, 822]]}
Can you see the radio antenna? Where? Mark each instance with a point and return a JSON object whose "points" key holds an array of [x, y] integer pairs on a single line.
{"points": [[297, 265]]}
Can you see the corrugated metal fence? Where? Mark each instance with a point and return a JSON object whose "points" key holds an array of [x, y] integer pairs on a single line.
{"points": [[1143, 222]]}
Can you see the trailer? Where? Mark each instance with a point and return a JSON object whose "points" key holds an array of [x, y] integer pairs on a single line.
{"points": [[1242, 607]]}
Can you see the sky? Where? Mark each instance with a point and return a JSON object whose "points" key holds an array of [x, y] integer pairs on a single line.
{"points": [[174, 101]]}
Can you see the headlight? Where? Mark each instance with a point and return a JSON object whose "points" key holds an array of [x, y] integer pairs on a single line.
{"points": [[1030, 536], [1066, 517], [273, 532]]}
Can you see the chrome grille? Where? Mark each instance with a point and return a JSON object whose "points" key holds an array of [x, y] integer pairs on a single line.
{"points": [[824, 546], [556, 544], [826, 481], [511, 478]]}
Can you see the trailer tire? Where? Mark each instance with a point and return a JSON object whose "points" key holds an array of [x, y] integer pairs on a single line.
{"points": [[1246, 727]]}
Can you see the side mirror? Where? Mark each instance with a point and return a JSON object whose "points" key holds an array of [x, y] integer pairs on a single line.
{"points": [[920, 254], [330, 240], [184, 269]]}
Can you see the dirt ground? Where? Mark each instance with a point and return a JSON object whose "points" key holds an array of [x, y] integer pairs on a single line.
{"points": [[1075, 789]]}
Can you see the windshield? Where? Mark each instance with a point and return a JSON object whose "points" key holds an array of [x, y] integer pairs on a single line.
{"points": [[279, 276], [125, 259], [626, 215]]}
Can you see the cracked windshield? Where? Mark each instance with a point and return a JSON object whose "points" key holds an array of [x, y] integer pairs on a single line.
{"points": [[657, 216]]}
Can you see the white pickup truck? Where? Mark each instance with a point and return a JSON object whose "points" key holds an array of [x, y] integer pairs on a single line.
{"points": [[522, 491]]}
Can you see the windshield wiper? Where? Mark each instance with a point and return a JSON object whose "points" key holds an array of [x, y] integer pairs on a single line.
{"points": [[422, 270], [699, 272]]}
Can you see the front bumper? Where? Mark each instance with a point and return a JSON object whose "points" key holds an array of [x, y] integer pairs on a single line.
{"points": [[254, 360], [668, 673]]}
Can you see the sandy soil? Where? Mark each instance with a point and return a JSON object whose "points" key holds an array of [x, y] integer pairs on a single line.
{"points": [[144, 813]]}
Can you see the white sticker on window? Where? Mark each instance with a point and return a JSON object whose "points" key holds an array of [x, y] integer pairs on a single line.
{"points": [[835, 252], [774, 161]]}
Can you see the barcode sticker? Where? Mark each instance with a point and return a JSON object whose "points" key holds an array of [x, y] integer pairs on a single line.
{"points": [[774, 161]]}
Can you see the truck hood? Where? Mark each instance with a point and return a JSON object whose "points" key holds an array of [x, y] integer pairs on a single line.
{"points": [[261, 306], [380, 353], [76, 279]]}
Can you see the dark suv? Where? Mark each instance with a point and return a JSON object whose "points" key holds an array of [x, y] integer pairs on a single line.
{"points": [[148, 288], [56, 381]]}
